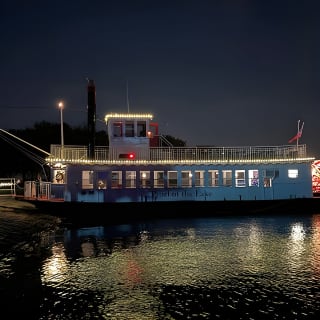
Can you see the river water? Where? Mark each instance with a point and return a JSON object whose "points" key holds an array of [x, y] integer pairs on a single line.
{"points": [[240, 267]]}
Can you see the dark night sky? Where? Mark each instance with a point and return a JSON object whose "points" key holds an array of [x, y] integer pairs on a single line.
{"points": [[224, 73]]}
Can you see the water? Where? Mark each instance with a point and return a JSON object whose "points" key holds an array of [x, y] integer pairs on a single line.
{"points": [[215, 268]]}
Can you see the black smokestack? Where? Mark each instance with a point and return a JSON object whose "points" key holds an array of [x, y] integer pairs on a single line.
{"points": [[91, 118]]}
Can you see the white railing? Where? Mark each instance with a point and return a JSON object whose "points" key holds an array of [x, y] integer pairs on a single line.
{"points": [[7, 186], [290, 152]]}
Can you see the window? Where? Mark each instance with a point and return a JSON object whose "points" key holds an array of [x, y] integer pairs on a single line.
{"points": [[293, 173], [141, 129], [240, 178], [199, 178], [267, 182], [253, 178], [172, 179], [130, 179], [145, 179], [213, 178], [186, 179], [87, 179], [158, 179], [117, 129], [268, 176], [101, 180], [116, 179], [129, 127], [269, 173], [227, 178]]}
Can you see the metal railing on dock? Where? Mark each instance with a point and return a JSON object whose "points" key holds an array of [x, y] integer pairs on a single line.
{"points": [[8, 186]]}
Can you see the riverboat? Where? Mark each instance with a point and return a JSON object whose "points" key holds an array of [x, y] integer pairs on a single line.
{"points": [[141, 170]]}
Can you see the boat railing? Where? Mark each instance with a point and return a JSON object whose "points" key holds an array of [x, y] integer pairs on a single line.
{"points": [[43, 190], [216, 154], [163, 141]]}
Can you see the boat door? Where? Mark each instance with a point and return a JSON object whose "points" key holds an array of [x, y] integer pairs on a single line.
{"points": [[267, 188], [153, 134]]}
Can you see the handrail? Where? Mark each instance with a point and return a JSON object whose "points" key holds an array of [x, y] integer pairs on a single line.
{"points": [[230, 154]]}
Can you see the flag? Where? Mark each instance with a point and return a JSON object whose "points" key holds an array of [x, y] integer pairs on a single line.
{"points": [[298, 135]]}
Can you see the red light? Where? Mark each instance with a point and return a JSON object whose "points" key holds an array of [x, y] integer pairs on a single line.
{"points": [[129, 156]]}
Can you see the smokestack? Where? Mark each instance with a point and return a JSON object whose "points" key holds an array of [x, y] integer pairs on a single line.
{"points": [[91, 118]]}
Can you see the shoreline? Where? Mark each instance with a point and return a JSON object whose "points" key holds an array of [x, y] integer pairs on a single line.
{"points": [[13, 203], [22, 227]]}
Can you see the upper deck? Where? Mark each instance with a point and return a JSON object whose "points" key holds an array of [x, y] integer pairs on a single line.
{"points": [[134, 138]]}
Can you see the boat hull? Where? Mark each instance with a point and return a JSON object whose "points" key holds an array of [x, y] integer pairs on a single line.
{"points": [[109, 213]]}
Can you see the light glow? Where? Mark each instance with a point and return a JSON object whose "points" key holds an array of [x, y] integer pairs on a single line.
{"points": [[120, 161]]}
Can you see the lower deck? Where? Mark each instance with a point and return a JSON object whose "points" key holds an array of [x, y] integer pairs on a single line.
{"points": [[154, 183]]}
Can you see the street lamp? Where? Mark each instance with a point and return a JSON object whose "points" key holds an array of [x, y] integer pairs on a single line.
{"points": [[61, 121]]}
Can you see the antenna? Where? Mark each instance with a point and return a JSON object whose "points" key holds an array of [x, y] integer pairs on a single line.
{"points": [[127, 97]]}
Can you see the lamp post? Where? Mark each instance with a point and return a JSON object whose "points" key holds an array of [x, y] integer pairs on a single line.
{"points": [[61, 122]]}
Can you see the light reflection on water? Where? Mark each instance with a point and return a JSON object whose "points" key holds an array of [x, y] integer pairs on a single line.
{"points": [[178, 269]]}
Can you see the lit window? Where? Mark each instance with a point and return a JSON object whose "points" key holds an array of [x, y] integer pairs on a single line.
{"points": [[199, 178], [130, 179], [240, 178], [158, 179], [213, 178], [87, 179], [116, 179], [145, 179], [253, 178], [227, 178], [101, 180], [186, 179], [293, 173], [267, 182]]}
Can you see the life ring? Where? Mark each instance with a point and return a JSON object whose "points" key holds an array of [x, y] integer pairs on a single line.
{"points": [[59, 176]]}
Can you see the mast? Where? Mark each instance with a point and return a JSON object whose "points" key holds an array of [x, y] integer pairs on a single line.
{"points": [[91, 118], [128, 97], [298, 133]]}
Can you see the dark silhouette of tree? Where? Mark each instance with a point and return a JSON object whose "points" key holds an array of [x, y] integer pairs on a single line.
{"points": [[44, 133]]}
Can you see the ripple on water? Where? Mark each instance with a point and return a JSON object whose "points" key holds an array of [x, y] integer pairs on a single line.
{"points": [[197, 271]]}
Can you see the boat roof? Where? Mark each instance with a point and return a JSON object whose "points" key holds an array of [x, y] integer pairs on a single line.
{"points": [[128, 116]]}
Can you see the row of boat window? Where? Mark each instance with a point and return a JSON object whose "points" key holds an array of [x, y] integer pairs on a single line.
{"points": [[128, 129], [176, 179]]}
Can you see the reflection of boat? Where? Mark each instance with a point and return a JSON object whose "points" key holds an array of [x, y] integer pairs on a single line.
{"points": [[140, 167]]}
